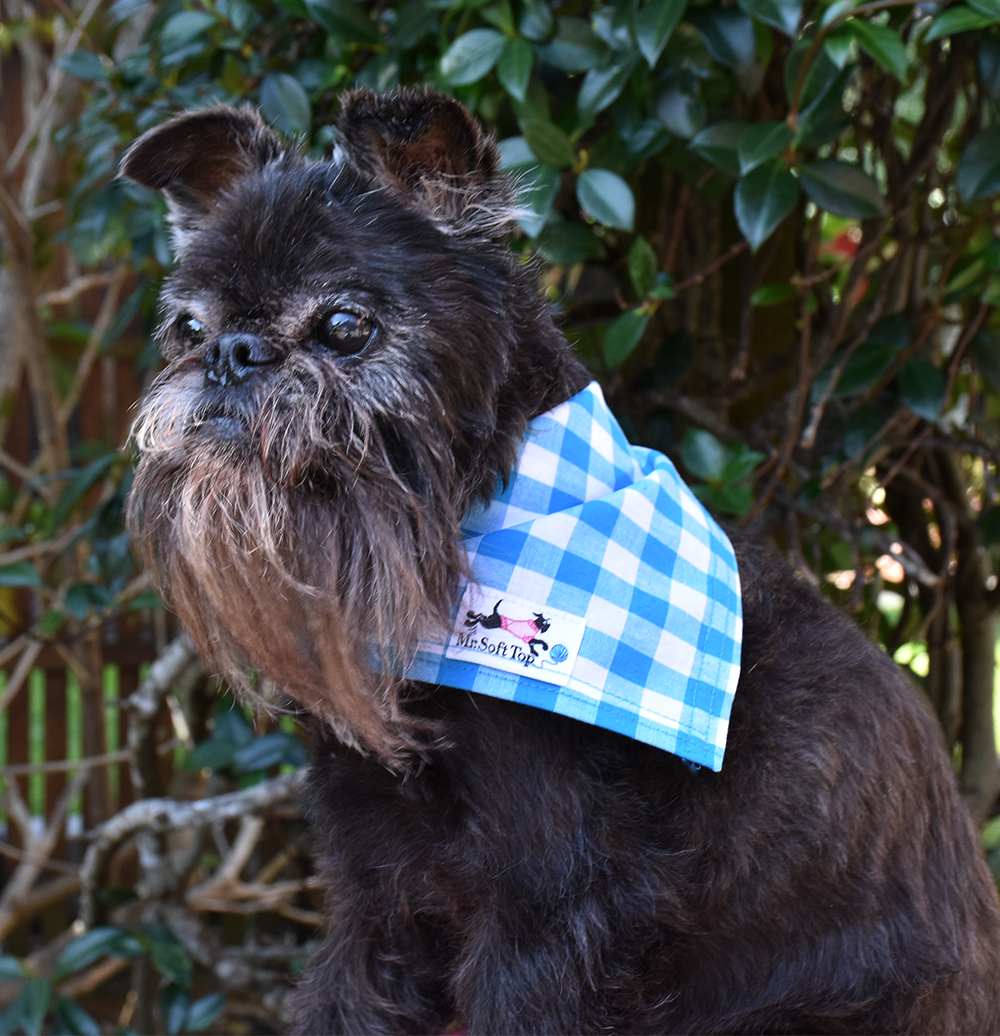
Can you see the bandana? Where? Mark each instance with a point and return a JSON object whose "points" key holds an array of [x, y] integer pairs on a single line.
{"points": [[602, 590]]}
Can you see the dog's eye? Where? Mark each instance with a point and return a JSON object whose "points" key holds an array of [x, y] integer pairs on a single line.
{"points": [[345, 333], [192, 332]]}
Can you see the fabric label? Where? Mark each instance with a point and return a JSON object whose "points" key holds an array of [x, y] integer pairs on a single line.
{"points": [[498, 630]]}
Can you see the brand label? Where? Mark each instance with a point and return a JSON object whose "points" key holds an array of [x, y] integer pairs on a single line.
{"points": [[499, 630]]}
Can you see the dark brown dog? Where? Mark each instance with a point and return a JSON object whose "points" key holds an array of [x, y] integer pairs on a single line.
{"points": [[353, 356]]}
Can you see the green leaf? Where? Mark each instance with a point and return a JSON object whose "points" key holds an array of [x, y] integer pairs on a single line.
{"points": [[989, 531], [285, 104], [183, 28], [783, 15], [682, 112], [108, 941], [986, 349], [719, 144], [655, 22], [761, 141], [602, 86], [232, 724], [741, 462], [19, 573], [642, 266], [564, 243], [841, 189], [574, 48], [607, 197], [549, 143], [501, 15], [84, 65], [216, 753], [536, 22], [623, 336], [881, 43], [11, 968], [472, 56], [991, 8], [772, 295], [266, 751], [173, 1003], [79, 485], [703, 455], [730, 499], [514, 67], [204, 1011], [978, 174], [954, 20], [921, 387], [30, 1007], [70, 1018], [763, 199], [345, 21], [731, 40], [171, 961]]}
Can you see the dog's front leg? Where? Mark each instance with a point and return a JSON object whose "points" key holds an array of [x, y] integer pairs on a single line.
{"points": [[373, 978], [533, 967]]}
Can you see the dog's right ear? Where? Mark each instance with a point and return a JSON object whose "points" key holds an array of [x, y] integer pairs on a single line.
{"points": [[194, 158]]}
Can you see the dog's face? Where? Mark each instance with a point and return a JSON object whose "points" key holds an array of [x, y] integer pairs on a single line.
{"points": [[344, 345]]}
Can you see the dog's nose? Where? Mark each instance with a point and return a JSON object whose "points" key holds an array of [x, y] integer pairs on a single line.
{"points": [[233, 358]]}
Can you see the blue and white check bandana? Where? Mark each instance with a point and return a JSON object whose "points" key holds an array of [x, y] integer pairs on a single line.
{"points": [[602, 590]]}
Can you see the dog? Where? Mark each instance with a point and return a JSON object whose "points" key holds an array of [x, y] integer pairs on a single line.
{"points": [[355, 360]]}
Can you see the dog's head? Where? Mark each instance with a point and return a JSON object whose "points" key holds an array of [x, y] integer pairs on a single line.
{"points": [[352, 354]]}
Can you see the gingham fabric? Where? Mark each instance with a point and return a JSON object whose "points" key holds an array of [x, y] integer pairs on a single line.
{"points": [[602, 590]]}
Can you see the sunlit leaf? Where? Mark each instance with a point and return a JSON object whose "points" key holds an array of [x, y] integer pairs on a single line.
{"points": [[607, 197], [574, 48], [472, 56], [683, 113]]}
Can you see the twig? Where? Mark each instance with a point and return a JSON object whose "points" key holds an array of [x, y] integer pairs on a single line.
{"points": [[163, 815], [707, 271], [75, 288], [20, 674]]}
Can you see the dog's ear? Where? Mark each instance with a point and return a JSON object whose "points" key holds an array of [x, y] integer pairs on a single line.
{"points": [[427, 149], [194, 158]]}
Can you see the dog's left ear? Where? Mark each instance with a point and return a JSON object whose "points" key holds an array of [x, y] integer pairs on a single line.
{"points": [[427, 149], [194, 158]]}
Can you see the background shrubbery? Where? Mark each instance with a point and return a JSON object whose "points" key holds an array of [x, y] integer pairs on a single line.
{"points": [[770, 228]]}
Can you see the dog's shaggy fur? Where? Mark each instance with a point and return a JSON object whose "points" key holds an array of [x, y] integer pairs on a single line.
{"points": [[299, 496]]}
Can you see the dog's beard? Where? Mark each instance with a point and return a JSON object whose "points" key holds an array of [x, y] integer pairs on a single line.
{"points": [[295, 533]]}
